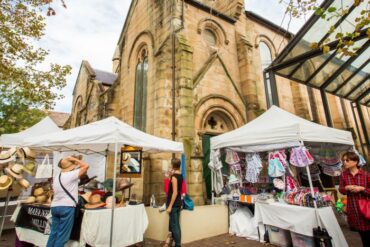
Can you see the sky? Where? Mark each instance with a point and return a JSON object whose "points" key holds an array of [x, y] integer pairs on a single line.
{"points": [[89, 30]]}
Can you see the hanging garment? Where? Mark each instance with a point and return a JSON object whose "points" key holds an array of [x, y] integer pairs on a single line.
{"points": [[231, 157], [276, 168], [333, 171], [254, 167], [299, 156], [328, 156], [291, 184]]}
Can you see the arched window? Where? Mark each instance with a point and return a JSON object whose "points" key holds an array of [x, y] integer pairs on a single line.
{"points": [[266, 59], [141, 82]]}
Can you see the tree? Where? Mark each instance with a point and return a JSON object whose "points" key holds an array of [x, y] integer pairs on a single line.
{"points": [[346, 45], [24, 86]]}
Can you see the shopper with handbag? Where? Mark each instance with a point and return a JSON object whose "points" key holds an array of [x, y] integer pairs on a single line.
{"points": [[63, 206], [174, 203], [355, 182]]}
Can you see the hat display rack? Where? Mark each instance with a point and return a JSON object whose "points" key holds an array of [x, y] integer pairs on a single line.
{"points": [[15, 162]]}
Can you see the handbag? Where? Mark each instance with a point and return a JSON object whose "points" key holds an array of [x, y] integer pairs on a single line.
{"points": [[321, 237], [188, 203], [364, 204], [76, 229], [45, 169]]}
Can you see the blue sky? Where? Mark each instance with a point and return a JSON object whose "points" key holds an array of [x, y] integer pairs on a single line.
{"points": [[89, 30]]}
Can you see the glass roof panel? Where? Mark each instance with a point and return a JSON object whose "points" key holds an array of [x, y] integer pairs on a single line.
{"points": [[317, 31], [332, 66], [310, 66], [360, 60], [359, 91]]}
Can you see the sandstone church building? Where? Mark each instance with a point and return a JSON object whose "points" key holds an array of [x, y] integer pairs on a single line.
{"points": [[216, 52]]}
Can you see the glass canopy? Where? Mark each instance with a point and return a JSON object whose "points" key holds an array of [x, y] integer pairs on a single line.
{"points": [[344, 76]]}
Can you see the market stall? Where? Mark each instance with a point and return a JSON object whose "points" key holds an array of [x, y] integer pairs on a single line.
{"points": [[269, 159], [104, 136]]}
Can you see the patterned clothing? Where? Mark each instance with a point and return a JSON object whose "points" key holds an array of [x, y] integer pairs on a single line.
{"points": [[355, 219]]}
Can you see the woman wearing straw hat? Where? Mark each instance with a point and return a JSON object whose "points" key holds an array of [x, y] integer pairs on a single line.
{"points": [[64, 201]]}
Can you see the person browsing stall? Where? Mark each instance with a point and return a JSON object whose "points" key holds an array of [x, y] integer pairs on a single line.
{"points": [[63, 206], [174, 202], [355, 183]]}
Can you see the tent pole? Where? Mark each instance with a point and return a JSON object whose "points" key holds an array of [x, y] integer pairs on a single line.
{"points": [[5, 211], [114, 193], [313, 194], [212, 183]]}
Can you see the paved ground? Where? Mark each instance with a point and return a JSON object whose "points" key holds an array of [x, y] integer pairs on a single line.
{"points": [[353, 239]]}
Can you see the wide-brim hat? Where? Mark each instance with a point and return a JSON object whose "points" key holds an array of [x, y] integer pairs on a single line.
{"points": [[30, 199], [26, 153], [15, 171], [126, 157], [41, 199], [66, 166], [7, 156], [38, 191], [109, 202], [124, 184], [86, 196], [30, 168], [24, 183], [95, 202], [86, 180], [5, 182]]}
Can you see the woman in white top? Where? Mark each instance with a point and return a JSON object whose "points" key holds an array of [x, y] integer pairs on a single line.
{"points": [[63, 206]]}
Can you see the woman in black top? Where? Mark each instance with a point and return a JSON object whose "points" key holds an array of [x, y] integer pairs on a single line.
{"points": [[174, 202]]}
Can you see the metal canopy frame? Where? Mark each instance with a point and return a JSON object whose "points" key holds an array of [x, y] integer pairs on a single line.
{"points": [[347, 77]]}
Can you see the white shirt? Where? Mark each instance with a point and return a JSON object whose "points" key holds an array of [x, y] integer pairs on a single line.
{"points": [[70, 183]]}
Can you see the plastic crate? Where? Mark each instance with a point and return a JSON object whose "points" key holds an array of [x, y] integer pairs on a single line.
{"points": [[300, 240], [278, 236]]}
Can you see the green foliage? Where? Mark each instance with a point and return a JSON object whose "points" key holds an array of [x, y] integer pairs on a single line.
{"points": [[24, 86], [346, 45]]}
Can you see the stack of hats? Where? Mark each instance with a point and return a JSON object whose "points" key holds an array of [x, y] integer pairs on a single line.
{"points": [[16, 171]]}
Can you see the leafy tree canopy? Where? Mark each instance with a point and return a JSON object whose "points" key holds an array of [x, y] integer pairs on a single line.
{"points": [[24, 86]]}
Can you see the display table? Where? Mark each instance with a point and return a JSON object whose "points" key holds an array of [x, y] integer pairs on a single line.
{"points": [[299, 220], [129, 227]]}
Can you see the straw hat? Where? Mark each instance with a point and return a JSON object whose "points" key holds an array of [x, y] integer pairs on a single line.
{"points": [[30, 199], [24, 183], [95, 202], [123, 184], [15, 171], [109, 202], [26, 153], [65, 165], [41, 199], [38, 191], [30, 168], [86, 196], [126, 157], [5, 182], [6, 156]]}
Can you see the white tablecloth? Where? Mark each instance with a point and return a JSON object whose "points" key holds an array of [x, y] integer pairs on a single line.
{"points": [[299, 219], [130, 224]]}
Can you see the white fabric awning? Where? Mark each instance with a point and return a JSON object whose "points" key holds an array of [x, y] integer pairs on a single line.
{"points": [[277, 126], [102, 135], [45, 126]]}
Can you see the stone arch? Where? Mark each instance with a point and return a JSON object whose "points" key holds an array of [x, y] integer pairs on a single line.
{"points": [[77, 110], [221, 108], [263, 38], [215, 27], [144, 38]]}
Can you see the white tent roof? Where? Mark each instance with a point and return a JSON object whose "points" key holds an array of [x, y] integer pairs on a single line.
{"points": [[102, 135], [43, 127], [280, 127]]}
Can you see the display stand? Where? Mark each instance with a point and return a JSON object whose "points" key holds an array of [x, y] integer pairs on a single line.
{"points": [[5, 211]]}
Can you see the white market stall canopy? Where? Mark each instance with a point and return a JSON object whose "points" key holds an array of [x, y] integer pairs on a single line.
{"points": [[101, 136], [277, 128], [45, 126]]}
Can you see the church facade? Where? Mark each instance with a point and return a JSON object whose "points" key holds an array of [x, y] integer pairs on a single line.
{"points": [[190, 70]]}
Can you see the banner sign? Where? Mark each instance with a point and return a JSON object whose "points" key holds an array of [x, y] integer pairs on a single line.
{"points": [[33, 217]]}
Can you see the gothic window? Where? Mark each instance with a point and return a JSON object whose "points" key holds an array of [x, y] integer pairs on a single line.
{"points": [[266, 59], [140, 99], [210, 37]]}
